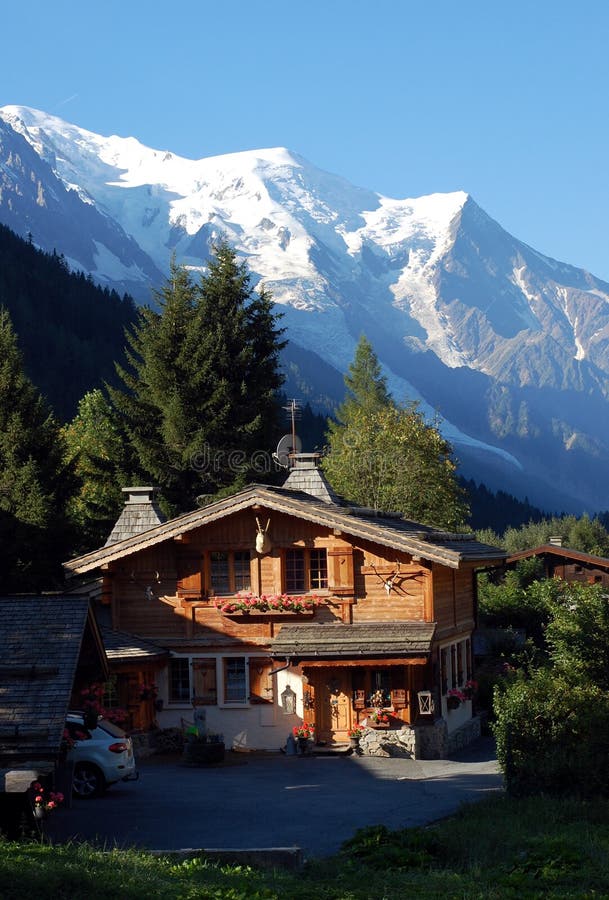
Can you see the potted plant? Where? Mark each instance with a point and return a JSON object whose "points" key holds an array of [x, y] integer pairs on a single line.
{"points": [[380, 719], [454, 698], [203, 749], [42, 807], [302, 735], [354, 734], [469, 689]]}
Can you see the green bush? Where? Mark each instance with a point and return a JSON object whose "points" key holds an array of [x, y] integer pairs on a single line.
{"points": [[552, 735]]}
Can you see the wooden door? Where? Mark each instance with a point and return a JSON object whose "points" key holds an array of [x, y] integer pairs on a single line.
{"points": [[332, 703]]}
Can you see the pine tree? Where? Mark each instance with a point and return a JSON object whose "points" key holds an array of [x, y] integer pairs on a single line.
{"points": [[34, 479], [365, 383], [201, 382], [387, 456]]}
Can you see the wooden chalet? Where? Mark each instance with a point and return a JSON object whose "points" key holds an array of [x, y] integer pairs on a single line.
{"points": [[563, 562], [384, 620]]}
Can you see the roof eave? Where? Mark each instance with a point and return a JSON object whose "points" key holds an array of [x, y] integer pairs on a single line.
{"points": [[332, 517]]}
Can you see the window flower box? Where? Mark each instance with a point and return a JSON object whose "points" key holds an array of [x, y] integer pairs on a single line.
{"points": [[241, 613], [268, 605]]}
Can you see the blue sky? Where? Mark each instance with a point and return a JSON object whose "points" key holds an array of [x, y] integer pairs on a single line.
{"points": [[506, 100]]}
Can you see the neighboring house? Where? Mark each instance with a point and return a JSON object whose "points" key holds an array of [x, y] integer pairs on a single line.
{"points": [[562, 562], [50, 649], [386, 620]]}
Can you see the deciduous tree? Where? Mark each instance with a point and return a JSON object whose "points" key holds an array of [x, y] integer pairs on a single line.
{"points": [[387, 456]]}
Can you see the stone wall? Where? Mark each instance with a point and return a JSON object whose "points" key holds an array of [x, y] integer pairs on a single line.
{"points": [[419, 742], [390, 742]]}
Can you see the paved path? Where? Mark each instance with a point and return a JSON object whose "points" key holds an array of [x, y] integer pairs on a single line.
{"points": [[313, 802]]}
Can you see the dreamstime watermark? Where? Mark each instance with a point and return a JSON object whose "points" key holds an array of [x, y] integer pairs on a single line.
{"points": [[210, 459]]}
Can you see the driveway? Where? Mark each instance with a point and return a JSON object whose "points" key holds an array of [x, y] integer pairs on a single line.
{"points": [[276, 801]]}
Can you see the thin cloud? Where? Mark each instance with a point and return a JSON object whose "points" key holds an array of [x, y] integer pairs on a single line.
{"points": [[67, 100]]}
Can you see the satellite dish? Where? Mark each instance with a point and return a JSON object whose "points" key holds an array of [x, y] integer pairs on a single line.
{"points": [[287, 445]]}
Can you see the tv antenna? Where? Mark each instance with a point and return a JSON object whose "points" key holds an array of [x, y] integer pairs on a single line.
{"points": [[289, 443]]}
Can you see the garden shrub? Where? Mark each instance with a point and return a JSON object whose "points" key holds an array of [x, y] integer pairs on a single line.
{"points": [[552, 735]]}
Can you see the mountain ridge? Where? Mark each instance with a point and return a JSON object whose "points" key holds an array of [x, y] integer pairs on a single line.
{"points": [[450, 300]]}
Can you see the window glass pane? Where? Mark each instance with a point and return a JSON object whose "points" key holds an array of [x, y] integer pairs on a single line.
{"points": [[294, 571], [219, 572], [380, 682], [179, 681], [242, 570], [460, 649], [318, 569], [234, 681]]}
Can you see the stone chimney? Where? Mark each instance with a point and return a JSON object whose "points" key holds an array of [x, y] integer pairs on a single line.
{"points": [[306, 476], [140, 513]]}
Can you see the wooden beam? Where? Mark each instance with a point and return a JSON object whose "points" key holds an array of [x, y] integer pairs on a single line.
{"points": [[331, 663]]}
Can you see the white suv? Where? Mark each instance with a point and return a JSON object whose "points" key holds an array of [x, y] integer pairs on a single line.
{"points": [[102, 755]]}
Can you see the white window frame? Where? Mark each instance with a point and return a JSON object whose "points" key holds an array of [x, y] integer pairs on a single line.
{"points": [[221, 702]]}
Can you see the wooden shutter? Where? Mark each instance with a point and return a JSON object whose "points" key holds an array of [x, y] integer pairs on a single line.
{"points": [[189, 576], [398, 698], [205, 691], [261, 683], [340, 571]]}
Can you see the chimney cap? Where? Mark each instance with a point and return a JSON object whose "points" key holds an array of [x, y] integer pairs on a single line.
{"points": [[139, 494]]}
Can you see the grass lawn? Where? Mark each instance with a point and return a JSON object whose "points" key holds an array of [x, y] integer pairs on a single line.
{"points": [[500, 847]]}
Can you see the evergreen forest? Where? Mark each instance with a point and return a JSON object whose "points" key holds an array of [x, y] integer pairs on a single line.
{"points": [[70, 330]]}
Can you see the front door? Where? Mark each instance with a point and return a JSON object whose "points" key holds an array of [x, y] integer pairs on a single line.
{"points": [[332, 703]]}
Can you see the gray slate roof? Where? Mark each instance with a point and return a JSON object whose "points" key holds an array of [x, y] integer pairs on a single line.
{"points": [[372, 640], [388, 530], [40, 644], [121, 646], [140, 513], [308, 479]]}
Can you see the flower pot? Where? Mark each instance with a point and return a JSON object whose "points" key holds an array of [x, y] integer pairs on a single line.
{"points": [[203, 754], [453, 703], [40, 813], [303, 745], [354, 743]]}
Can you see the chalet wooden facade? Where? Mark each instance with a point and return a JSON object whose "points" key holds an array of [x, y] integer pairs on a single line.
{"points": [[385, 618], [563, 562]]}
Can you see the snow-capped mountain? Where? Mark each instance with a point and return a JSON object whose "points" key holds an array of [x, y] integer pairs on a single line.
{"points": [[510, 347]]}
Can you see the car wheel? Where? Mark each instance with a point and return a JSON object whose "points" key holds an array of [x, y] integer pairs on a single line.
{"points": [[88, 781]]}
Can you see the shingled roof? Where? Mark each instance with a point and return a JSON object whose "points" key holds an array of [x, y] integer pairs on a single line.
{"points": [[450, 549], [122, 646], [372, 640], [41, 639], [140, 513]]}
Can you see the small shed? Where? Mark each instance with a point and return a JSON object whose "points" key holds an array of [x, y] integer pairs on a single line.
{"points": [[50, 647]]}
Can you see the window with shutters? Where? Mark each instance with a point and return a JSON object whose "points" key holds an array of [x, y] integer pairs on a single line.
{"points": [[179, 680], [305, 570], [229, 571], [235, 680], [455, 665]]}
